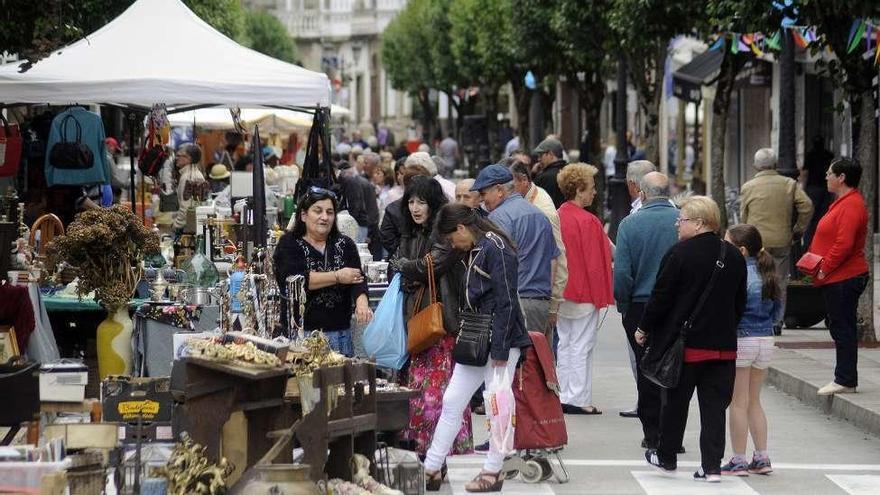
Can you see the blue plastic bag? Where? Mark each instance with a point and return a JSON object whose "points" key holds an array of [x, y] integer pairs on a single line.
{"points": [[385, 336]]}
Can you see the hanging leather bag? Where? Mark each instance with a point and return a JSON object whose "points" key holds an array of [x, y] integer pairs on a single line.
{"points": [[665, 369], [10, 148], [473, 343], [71, 155], [425, 327], [153, 156]]}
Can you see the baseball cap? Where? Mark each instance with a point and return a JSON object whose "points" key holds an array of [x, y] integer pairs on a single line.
{"points": [[492, 175]]}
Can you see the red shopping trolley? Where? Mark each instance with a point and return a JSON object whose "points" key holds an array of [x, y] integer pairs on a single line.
{"points": [[540, 424]]}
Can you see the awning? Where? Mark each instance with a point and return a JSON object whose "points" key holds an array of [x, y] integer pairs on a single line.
{"points": [[688, 80]]}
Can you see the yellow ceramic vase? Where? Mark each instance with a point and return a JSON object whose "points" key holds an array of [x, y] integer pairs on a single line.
{"points": [[114, 344]]}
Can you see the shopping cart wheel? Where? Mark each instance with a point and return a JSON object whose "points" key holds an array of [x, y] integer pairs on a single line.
{"points": [[546, 468], [531, 471]]}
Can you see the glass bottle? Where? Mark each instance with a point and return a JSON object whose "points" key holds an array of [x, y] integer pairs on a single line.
{"points": [[200, 270]]}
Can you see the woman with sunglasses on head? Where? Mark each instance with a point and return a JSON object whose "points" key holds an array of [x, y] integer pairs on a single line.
{"points": [[329, 262], [490, 288], [429, 371]]}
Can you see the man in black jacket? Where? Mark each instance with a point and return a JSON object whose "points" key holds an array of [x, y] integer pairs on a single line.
{"points": [[549, 155]]}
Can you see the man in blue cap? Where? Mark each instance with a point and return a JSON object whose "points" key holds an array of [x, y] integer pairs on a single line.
{"points": [[533, 234]]}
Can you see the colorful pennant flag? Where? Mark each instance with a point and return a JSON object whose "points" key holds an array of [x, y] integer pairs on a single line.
{"points": [[734, 44], [798, 38], [743, 47], [877, 46], [757, 51], [748, 39], [854, 40], [773, 41], [719, 44]]}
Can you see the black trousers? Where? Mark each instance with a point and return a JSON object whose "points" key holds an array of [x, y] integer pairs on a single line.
{"points": [[713, 381], [649, 403], [841, 305]]}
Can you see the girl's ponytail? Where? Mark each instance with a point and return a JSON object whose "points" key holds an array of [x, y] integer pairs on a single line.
{"points": [[747, 236]]}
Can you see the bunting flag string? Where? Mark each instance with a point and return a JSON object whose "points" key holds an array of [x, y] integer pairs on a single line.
{"points": [[802, 36]]}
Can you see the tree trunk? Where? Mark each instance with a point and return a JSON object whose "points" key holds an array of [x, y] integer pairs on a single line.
{"points": [[522, 96], [652, 127], [729, 68], [866, 153], [428, 116], [591, 95], [490, 103]]}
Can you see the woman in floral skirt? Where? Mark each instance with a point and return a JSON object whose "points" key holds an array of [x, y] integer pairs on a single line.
{"points": [[429, 371]]}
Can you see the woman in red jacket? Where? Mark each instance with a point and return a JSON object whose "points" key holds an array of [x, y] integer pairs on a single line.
{"points": [[587, 291], [843, 271]]}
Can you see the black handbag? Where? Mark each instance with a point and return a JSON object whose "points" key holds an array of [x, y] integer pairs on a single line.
{"points": [[664, 369], [169, 202], [473, 342], [71, 155], [474, 339]]}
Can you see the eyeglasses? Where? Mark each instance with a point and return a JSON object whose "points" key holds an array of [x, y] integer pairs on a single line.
{"points": [[319, 192], [680, 220]]}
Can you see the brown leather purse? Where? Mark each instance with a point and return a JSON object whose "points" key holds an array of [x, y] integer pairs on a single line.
{"points": [[425, 327]]}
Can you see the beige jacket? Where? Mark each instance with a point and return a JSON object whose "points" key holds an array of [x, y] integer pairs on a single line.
{"points": [[539, 197], [767, 202]]}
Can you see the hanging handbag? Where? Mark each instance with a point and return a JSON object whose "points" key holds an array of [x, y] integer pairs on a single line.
{"points": [[153, 156], [10, 148], [473, 343], [169, 202], [425, 327], [71, 155], [665, 369], [317, 169], [809, 264]]}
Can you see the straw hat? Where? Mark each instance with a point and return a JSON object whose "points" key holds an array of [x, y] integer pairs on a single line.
{"points": [[219, 172]]}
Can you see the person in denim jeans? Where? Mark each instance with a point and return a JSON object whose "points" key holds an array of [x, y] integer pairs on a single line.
{"points": [[754, 352], [843, 271]]}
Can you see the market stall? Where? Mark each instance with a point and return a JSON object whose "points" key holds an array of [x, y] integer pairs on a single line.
{"points": [[144, 410]]}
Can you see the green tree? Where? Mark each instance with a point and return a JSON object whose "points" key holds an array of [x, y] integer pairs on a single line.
{"points": [[730, 16], [644, 29], [586, 44], [34, 29], [267, 35], [853, 74], [407, 58], [482, 48]]}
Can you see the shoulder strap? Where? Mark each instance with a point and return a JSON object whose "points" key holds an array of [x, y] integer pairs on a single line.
{"points": [[431, 287], [719, 264]]}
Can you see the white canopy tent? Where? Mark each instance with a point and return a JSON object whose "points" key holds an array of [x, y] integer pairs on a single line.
{"points": [[269, 119], [158, 51]]}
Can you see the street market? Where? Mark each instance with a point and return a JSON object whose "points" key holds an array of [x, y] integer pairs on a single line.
{"points": [[327, 268]]}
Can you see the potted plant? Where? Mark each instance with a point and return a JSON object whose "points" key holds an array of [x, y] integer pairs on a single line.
{"points": [[106, 247]]}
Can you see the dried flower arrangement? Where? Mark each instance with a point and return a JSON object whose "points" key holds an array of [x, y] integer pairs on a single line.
{"points": [[106, 246]]}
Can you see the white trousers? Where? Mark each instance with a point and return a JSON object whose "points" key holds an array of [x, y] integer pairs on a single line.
{"points": [[464, 382], [574, 358]]}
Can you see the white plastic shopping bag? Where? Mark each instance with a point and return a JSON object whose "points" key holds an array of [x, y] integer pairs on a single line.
{"points": [[500, 411]]}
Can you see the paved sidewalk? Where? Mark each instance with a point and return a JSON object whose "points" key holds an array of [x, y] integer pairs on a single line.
{"points": [[800, 372]]}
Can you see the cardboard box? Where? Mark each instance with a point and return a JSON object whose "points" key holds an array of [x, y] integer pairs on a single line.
{"points": [[125, 399], [63, 382], [85, 435]]}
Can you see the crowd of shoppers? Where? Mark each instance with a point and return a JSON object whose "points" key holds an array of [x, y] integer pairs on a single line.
{"points": [[517, 242]]}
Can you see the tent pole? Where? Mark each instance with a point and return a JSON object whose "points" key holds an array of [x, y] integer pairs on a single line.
{"points": [[131, 196]]}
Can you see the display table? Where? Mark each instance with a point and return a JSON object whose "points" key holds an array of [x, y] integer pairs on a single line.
{"points": [[75, 305]]}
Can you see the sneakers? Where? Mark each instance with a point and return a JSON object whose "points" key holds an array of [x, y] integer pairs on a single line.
{"points": [[482, 448], [700, 475], [760, 466], [735, 467], [664, 467], [834, 388]]}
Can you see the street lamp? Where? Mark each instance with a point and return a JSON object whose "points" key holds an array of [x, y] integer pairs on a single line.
{"points": [[620, 201]]}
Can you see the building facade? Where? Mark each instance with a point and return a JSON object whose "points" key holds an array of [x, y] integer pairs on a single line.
{"points": [[342, 38]]}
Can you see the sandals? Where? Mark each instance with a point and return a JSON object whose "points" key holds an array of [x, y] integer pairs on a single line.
{"points": [[486, 482], [588, 410], [433, 481]]}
